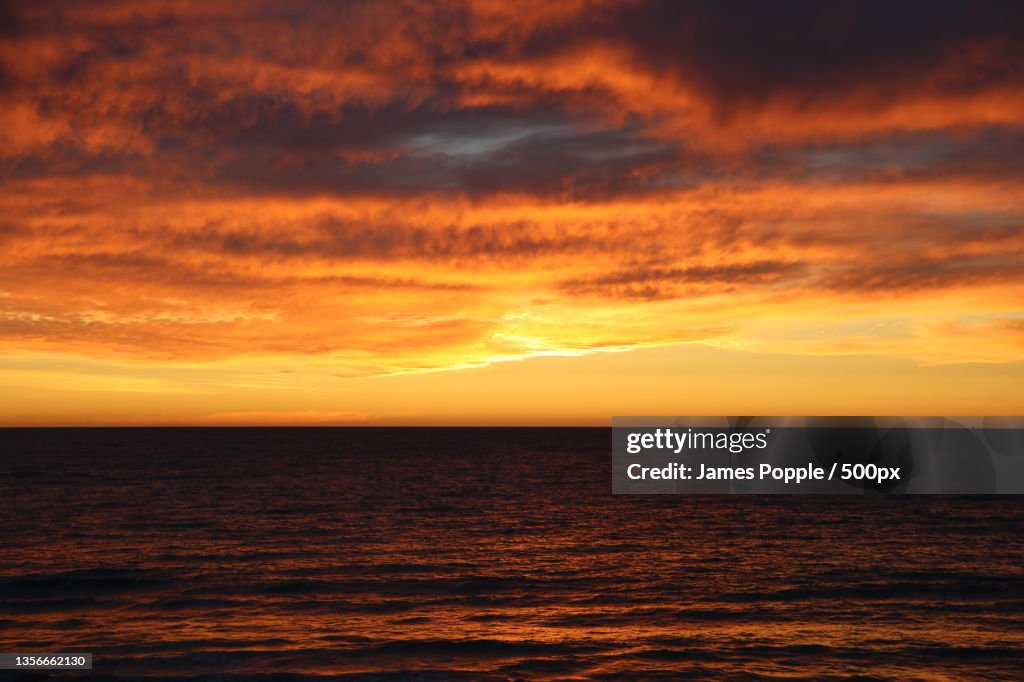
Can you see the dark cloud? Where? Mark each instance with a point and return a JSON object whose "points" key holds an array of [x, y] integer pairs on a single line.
{"points": [[211, 96], [661, 282], [153, 273], [270, 143], [475, 153], [925, 274], [988, 152], [743, 54]]}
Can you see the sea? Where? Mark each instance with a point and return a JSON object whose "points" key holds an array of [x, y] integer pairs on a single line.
{"points": [[478, 554]]}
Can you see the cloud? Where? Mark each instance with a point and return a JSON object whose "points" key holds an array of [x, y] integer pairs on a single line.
{"points": [[660, 282], [927, 275], [743, 55], [400, 187]]}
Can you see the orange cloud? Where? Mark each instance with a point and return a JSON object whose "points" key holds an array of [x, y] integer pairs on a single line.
{"points": [[385, 189]]}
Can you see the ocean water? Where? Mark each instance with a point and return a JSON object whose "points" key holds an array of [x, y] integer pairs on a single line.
{"points": [[478, 554]]}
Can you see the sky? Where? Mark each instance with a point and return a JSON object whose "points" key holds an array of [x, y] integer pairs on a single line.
{"points": [[294, 212]]}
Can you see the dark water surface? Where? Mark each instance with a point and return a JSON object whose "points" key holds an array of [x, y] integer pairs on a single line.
{"points": [[479, 554]]}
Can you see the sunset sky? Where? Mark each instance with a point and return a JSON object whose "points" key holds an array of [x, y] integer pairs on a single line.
{"points": [[508, 212]]}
